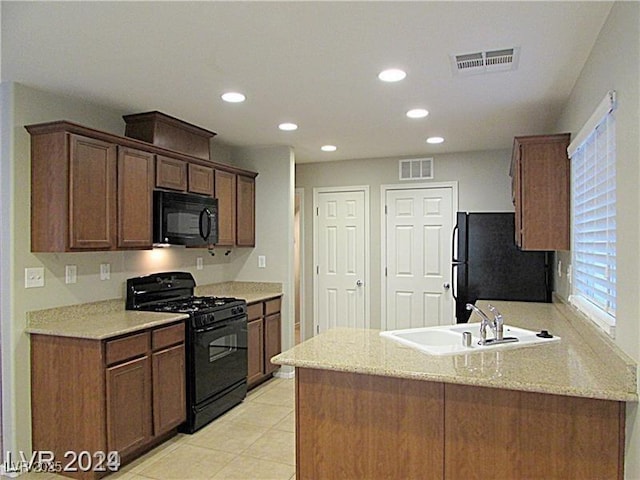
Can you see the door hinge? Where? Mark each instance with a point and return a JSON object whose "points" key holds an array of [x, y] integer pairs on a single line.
{"points": [[385, 271], [317, 211], [385, 209], [317, 328], [317, 269]]}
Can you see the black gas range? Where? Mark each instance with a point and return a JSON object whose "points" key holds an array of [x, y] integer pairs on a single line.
{"points": [[216, 341]]}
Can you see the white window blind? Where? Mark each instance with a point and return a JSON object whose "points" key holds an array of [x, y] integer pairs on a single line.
{"points": [[593, 192]]}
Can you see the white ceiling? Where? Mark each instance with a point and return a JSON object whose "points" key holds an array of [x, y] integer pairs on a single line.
{"points": [[312, 63]]}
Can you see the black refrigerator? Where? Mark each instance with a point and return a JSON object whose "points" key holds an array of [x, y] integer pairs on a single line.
{"points": [[487, 264]]}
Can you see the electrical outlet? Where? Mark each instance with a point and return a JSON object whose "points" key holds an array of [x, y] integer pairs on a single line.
{"points": [[262, 261], [70, 274], [105, 271], [33, 277], [199, 263]]}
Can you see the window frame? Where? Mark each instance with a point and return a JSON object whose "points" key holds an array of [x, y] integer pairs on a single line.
{"points": [[602, 314]]}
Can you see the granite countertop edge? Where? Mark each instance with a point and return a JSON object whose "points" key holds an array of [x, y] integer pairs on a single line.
{"points": [[456, 380], [583, 364], [104, 326], [106, 319]]}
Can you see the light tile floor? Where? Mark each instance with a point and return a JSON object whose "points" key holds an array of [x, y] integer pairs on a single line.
{"points": [[253, 441]]}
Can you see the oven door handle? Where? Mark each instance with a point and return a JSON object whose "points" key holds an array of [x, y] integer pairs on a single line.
{"points": [[222, 324]]}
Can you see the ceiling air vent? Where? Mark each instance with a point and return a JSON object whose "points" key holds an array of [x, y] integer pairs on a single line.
{"points": [[416, 169], [484, 62]]}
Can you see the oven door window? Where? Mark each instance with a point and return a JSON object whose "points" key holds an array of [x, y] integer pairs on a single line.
{"points": [[223, 346]]}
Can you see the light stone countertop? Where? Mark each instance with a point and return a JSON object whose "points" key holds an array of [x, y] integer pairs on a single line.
{"points": [[96, 321], [108, 318], [582, 364], [252, 292]]}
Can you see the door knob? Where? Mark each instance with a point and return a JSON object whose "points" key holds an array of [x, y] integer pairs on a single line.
{"points": [[447, 286], [359, 283]]}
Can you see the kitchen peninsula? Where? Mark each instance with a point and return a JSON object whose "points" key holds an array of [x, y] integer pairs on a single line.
{"points": [[368, 407]]}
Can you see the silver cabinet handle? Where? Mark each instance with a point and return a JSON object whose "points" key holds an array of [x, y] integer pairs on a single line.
{"points": [[359, 283]]}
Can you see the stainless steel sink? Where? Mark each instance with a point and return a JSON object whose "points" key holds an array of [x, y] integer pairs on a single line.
{"points": [[448, 339]]}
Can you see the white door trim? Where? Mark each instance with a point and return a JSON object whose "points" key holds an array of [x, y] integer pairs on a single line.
{"points": [[316, 295], [383, 226], [299, 191]]}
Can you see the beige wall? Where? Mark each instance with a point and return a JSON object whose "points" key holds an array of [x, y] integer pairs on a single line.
{"points": [[483, 185], [274, 226], [614, 64], [33, 106]]}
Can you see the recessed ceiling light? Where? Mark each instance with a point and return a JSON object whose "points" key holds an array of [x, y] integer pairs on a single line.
{"points": [[328, 148], [435, 140], [417, 113], [288, 127], [233, 97], [392, 75]]}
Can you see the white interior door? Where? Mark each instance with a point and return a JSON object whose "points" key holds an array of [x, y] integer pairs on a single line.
{"points": [[341, 257], [418, 228]]}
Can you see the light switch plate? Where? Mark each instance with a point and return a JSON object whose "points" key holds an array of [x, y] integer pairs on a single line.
{"points": [[105, 271], [70, 274], [33, 277], [199, 263], [262, 261]]}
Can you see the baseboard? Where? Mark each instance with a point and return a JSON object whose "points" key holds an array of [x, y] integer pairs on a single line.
{"points": [[285, 371]]}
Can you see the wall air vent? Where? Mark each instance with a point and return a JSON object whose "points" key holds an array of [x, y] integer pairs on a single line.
{"points": [[416, 169], [484, 62]]}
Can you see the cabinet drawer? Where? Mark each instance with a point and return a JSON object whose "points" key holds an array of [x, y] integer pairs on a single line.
{"points": [[272, 306], [127, 347], [167, 336], [254, 310]]}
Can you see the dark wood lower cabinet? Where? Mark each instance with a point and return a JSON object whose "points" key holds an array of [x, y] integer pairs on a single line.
{"points": [[272, 341], [169, 401], [531, 435], [264, 339], [255, 351], [363, 426], [125, 394], [128, 401]]}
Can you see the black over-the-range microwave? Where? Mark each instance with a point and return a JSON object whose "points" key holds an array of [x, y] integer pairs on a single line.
{"points": [[184, 219]]}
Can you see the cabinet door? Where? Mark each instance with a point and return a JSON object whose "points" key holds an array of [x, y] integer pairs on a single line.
{"points": [[128, 405], [544, 176], [171, 173], [576, 437], [200, 179], [272, 341], [92, 194], [245, 220], [255, 350], [225, 192], [135, 198], [517, 201], [541, 192], [169, 403]]}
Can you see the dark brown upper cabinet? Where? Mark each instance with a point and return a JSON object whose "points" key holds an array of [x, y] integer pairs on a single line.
{"points": [[92, 190], [540, 174]]}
